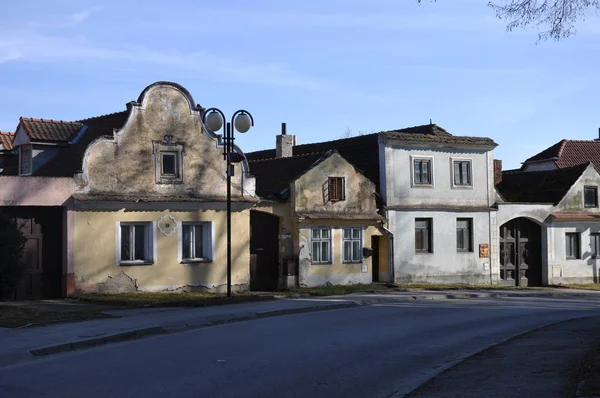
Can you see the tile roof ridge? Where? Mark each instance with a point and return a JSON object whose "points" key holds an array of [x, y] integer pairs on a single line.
{"points": [[33, 119], [6, 133], [102, 116], [303, 155]]}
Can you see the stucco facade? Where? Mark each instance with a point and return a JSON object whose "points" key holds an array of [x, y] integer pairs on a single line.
{"points": [[309, 208], [149, 210], [442, 204]]}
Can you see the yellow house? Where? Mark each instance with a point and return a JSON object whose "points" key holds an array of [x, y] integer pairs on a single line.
{"points": [[316, 224], [149, 205]]}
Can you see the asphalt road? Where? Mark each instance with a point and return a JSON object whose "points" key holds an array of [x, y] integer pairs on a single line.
{"points": [[376, 351]]}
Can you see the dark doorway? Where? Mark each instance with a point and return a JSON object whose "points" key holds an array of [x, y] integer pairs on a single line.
{"points": [[375, 258], [264, 253], [41, 276], [521, 253]]}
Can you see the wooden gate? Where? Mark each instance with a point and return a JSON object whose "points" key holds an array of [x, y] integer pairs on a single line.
{"points": [[520, 253], [264, 253], [31, 283]]}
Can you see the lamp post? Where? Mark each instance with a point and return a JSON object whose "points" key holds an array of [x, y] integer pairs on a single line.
{"points": [[241, 121]]}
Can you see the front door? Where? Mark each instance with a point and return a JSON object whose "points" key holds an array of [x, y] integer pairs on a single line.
{"points": [[264, 251], [375, 258], [520, 253]]}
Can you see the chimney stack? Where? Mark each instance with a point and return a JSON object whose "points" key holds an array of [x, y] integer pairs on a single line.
{"points": [[598, 139], [497, 171], [284, 143]]}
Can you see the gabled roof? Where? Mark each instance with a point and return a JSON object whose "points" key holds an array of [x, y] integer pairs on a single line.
{"points": [[432, 133], [547, 186], [68, 161], [568, 153], [363, 151], [274, 175], [47, 130], [6, 140]]}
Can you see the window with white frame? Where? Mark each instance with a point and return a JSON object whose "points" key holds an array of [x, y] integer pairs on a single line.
{"points": [[136, 243], [25, 159], [595, 244], [196, 242], [422, 172], [462, 173], [321, 245], [590, 195], [352, 245], [572, 245]]}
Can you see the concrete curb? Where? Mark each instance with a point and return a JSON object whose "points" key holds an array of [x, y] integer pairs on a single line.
{"points": [[175, 327]]}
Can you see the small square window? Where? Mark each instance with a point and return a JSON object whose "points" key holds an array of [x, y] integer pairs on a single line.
{"points": [[462, 173], [572, 246], [168, 162], [422, 174], [336, 189], [423, 233], [590, 195]]}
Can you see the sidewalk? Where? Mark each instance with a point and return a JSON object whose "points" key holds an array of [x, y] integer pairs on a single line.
{"points": [[542, 363], [18, 345]]}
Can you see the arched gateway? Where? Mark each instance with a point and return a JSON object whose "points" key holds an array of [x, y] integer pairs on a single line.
{"points": [[520, 253]]}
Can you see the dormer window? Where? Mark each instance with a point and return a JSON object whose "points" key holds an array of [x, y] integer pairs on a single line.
{"points": [[168, 158], [590, 196], [25, 160]]}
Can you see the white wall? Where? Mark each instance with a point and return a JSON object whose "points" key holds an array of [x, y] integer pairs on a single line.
{"points": [[445, 264], [398, 189], [562, 270]]}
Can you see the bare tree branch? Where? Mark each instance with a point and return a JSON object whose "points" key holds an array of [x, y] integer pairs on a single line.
{"points": [[554, 19]]}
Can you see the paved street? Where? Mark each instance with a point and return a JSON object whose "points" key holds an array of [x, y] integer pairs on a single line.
{"points": [[373, 351]]}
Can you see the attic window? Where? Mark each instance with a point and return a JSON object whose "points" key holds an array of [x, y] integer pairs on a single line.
{"points": [[168, 158], [25, 155], [336, 189], [590, 195]]}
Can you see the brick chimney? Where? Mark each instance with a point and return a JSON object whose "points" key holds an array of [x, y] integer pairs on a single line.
{"points": [[284, 144], [497, 171]]}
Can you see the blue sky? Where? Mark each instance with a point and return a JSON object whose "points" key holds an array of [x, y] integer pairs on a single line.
{"points": [[323, 67]]}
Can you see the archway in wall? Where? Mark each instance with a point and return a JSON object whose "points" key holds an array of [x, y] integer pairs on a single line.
{"points": [[264, 251], [520, 253]]}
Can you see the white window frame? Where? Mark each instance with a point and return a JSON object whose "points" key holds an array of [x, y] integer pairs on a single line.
{"points": [[351, 240], [208, 231], [471, 177], [415, 184], [150, 243], [30, 171], [330, 240]]}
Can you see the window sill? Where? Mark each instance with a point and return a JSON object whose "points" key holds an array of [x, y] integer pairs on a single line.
{"points": [[423, 252], [462, 186], [134, 263], [416, 185], [195, 261], [352, 262], [328, 263], [465, 251]]}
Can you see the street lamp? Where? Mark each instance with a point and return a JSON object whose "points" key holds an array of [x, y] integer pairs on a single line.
{"points": [[242, 121]]}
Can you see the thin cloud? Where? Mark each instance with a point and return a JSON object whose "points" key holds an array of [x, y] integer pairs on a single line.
{"points": [[81, 16]]}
